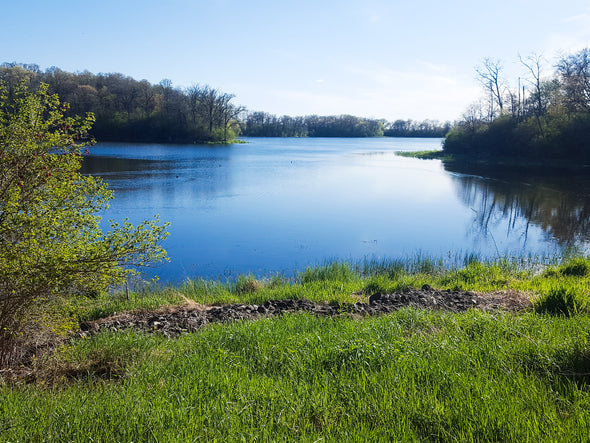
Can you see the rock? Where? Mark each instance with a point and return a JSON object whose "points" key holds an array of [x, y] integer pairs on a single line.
{"points": [[175, 321], [375, 298]]}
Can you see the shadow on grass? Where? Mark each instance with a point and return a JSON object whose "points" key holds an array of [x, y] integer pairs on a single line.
{"points": [[571, 365], [576, 368]]}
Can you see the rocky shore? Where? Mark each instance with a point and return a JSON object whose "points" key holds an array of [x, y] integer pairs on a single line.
{"points": [[173, 321]]}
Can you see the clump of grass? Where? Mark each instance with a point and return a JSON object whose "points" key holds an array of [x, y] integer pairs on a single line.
{"points": [[573, 267], [484, 275], [376, 284], [208, 291], [393, 269], [424, 155], [577, 267], [384, 285], [390, 268], [108, 356], [150, 296], [278, 281], [247, 285], [343, 272], [558, 300]]}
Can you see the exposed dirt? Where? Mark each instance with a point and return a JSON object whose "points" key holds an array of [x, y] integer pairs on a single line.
{"points": [[191, 317]]}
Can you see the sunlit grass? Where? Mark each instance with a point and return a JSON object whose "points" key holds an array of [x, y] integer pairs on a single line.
{"points": [[424, 155], [354, 282], [410, 375]]}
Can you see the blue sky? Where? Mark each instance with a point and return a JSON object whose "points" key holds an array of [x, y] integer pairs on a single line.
{"points": [[373, 58]]}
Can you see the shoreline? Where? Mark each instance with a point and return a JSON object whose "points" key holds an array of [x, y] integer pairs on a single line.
{"points": [[515, 163], [489, 350]]}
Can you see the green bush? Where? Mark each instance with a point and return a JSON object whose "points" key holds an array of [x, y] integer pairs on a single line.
{"points": [[51, 243]]}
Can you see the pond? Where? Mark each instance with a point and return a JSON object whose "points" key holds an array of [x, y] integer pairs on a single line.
{"points": [[278, 205]]}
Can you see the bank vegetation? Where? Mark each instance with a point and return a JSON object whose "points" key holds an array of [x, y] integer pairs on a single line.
{"points": [[545, 118], [412, 374]]}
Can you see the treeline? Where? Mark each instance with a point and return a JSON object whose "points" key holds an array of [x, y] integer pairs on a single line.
{"points": [[262, 124], [129, 110], [136, 111], [411, 128], [544, 117]]}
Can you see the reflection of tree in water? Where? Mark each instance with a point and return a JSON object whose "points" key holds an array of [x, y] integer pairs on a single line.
{"points": [[100, 165], [191, 177], [558, 204]]}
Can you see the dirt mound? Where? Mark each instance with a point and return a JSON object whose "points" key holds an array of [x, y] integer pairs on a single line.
{"points": [[191, 317]]}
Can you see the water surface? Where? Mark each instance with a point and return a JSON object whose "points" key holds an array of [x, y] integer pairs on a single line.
{"points": [[282, 204]]}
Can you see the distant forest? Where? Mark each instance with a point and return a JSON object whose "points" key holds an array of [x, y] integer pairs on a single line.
{"points": [[129, 110], [262, 124], [546, 116]]}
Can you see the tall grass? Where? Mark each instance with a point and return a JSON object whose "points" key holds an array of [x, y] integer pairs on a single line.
{"points": [[353, 282], [412, 375]]}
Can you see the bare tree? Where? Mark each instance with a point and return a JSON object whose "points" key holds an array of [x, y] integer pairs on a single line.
{"points": [[227, 112], [489, 75], [473, 117], [574, 71], [208, 105], [147, 98], [194, 94], [533, 64], [514, 102], [166, 88], [128, 92]]}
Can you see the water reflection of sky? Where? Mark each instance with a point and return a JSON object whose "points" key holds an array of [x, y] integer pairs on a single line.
{"points": [[279, 205]]}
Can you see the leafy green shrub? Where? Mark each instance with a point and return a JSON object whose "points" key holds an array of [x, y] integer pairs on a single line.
{"points": [[51, 243]]}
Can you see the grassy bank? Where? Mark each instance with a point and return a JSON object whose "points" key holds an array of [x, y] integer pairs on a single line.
{"points": [[425, 155], [477, 161], [410, 375], [353, 282]]}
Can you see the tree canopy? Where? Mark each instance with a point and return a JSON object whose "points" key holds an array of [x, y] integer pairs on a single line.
{"points": [[136, 111]]}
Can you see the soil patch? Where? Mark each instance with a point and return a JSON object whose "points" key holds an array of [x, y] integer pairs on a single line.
{"points": [[191, 317]]}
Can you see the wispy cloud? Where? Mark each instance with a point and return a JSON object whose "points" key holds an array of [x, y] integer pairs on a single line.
{"points": [[573, 35], [583, 18], [384, 93]]}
